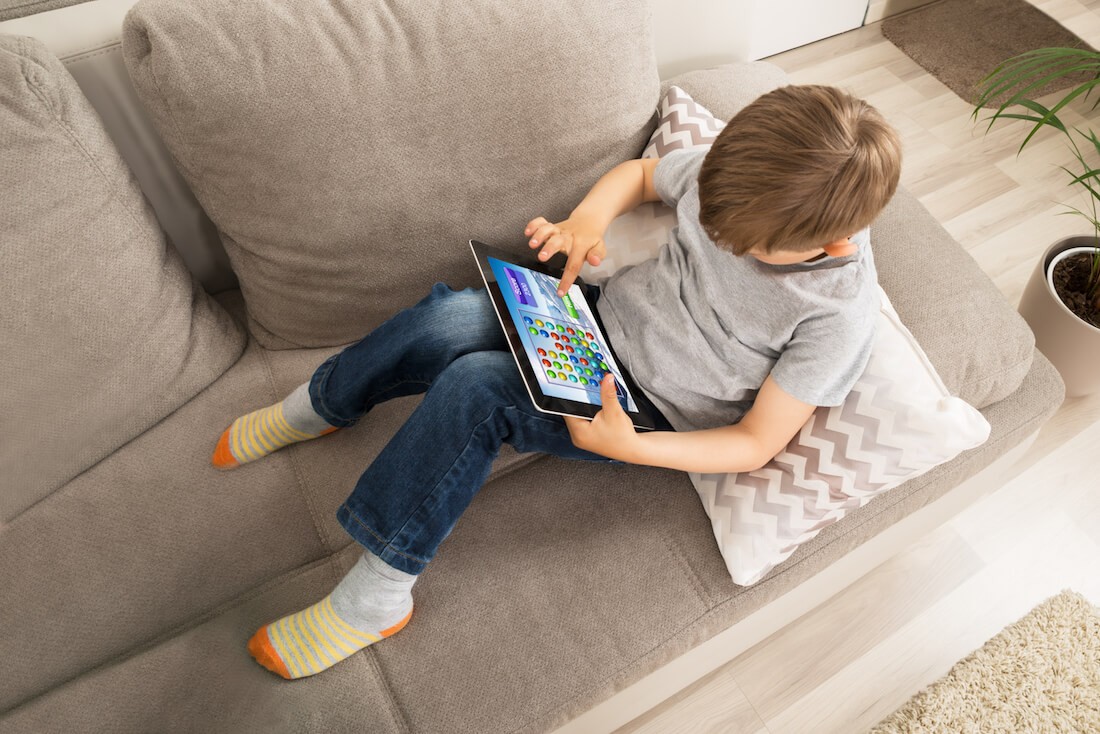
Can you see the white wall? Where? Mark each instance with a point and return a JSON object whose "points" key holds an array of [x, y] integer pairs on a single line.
{"points": [[697, 34]]}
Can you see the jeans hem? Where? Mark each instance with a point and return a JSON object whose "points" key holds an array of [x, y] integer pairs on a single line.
{"points": [[316, 387], [372, 541]]}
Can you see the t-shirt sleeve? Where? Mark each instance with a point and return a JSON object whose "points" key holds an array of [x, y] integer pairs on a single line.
{"points": [[825, 357], [676, 173]]}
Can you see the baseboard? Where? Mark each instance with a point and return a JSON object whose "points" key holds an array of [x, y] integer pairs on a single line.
{"points": [[658, 686]]}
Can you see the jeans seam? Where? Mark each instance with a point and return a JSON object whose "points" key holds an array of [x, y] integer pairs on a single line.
{"points": [[435, 488]]}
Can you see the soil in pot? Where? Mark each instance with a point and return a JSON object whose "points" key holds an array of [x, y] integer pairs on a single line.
{"points": [[1071, 278]]}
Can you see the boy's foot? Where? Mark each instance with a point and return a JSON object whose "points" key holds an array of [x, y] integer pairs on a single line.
{"points": [[372, 602], [260, 432], [314, 639]]}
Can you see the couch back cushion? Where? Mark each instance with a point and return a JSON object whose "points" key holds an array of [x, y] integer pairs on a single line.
{"points": [[104, 331], [348, 150]]}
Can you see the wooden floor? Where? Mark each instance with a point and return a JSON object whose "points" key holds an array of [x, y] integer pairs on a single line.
{"points": [[862, 654]]}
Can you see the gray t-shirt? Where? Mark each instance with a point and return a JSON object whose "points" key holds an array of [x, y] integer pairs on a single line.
{"points": [[700, 329]]}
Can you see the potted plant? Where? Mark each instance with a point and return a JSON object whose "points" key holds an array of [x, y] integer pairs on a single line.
{"points": [[1061, 302]]}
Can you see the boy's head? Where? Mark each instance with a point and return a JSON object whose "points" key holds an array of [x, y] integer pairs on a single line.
{"points": [[799, 168]]}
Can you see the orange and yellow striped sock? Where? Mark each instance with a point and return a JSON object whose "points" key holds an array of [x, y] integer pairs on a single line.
{"points": [[257, 434], [372, 602], [312, 640]]}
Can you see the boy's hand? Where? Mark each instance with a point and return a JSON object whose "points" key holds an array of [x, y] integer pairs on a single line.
{"points": [[581, 240], [610, 433]]}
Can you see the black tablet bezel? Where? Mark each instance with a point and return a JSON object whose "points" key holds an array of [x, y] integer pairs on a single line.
{"points": [[546, 403]]}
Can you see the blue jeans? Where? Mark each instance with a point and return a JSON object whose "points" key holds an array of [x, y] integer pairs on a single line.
{"points": [[451, 347]]}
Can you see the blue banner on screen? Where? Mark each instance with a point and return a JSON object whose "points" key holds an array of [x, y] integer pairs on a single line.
{"points": [[559, 336]]}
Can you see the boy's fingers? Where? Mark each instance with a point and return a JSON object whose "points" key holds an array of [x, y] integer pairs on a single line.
{"points": [[572, 270], [557, 243], [575, 426], [544, 232], [533, 225], [608, 397], [597, 253]]}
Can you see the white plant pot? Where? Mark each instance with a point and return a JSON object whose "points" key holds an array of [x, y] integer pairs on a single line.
{"points": [[1071, 344]]}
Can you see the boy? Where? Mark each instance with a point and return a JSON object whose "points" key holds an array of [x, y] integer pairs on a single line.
{"points": [[761, 308]]}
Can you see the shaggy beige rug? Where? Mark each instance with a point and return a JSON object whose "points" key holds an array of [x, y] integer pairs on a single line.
{"points": [[1041, 674]]}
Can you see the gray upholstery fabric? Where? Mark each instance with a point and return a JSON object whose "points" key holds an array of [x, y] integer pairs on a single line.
{"points": [[103, 79], [974, 338], [189, 684], [342, 186], [159, 527], [148, 539], [104, 330]]}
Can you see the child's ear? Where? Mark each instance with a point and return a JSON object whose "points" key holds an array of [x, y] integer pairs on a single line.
{"points": [[841, 248]]}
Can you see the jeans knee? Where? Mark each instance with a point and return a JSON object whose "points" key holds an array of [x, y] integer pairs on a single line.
{"points": [[487, 378]]}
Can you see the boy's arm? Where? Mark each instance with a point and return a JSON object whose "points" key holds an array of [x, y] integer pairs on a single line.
{"points": [[774, 419], [580, 236]]}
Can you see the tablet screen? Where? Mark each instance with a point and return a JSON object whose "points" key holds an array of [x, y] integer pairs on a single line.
{"points": [[559, 335]]}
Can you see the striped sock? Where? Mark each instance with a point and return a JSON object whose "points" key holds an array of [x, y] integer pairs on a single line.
{"points": [[260, 432], [370, 604]]}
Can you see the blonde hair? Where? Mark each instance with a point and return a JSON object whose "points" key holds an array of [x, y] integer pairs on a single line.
{"points": [[800, 167]]}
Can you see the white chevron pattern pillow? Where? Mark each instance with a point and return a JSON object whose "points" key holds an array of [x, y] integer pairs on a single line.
{"points": [[637, 235], [898, 422]]}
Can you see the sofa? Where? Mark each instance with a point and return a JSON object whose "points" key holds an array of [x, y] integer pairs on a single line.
{"points": [[204, 200]]}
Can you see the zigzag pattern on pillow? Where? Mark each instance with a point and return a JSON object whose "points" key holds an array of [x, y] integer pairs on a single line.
{"points": [[897, 423], [684, 123]]}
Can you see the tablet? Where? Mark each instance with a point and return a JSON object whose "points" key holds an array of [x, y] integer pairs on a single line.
{"points": [[557, 341]]}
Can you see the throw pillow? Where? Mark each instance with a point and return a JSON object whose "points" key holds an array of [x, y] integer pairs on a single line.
{"points": [[104, 330], [898, 422]]}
